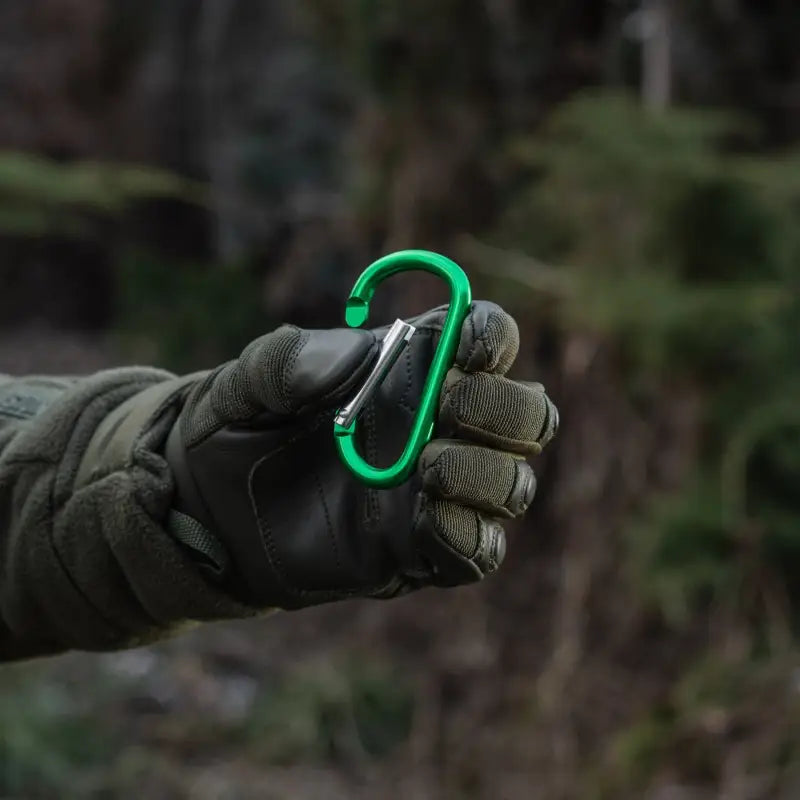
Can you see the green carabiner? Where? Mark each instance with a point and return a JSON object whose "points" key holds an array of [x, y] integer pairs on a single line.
{"points": [[356, 315]]}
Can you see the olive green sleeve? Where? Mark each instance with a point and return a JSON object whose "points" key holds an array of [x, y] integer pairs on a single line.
{"points": [[86, 557]]}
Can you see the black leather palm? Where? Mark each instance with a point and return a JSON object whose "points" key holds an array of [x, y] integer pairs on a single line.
{"points": [[299, 527]]}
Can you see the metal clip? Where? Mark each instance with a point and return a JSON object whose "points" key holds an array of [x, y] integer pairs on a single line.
{"points": [[392, 346], [356, 313]]}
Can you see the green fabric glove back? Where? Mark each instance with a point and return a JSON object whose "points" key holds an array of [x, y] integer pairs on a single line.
{"points": [[255, 464]]}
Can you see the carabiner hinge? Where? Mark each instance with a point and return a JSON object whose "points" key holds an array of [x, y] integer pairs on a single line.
{"points": [[392, 346]]}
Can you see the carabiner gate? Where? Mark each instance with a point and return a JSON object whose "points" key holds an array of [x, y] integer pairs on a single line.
{"points": [[399, 335]]}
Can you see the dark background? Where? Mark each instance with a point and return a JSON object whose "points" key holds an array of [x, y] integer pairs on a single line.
{"points": [[179, 177]]}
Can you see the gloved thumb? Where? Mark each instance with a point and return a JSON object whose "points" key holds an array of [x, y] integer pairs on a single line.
{"points": [[311, 368], [283, 373]]}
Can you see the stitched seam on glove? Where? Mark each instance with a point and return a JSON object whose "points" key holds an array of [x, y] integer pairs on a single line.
{"points": [[276, 563], [331, 533], [288, 373], [403, 401], [372, 504]]}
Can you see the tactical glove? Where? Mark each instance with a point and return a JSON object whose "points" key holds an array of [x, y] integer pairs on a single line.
{"points": [[263, 493]]}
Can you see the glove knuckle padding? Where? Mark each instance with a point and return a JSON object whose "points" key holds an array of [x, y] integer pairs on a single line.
{"points": [[461, 545], [496, 411], [489, 336], [489, 480], [489, 340]]}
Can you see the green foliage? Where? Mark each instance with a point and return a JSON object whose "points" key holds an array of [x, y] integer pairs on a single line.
{"points": [[730, 539], [635, 754], [682, 553], [187, 316], [383, 708], [694, 735], [72, 728], [687, 255], [665, 230], [336, 713], [41, 197], [48, 740], [607, 174]]}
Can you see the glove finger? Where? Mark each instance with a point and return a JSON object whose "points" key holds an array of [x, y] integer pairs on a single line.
{"points": [[486, 480], [459, 544], [489, 340], [489, 337], [488, 409], [329, 366], [282, 373]]}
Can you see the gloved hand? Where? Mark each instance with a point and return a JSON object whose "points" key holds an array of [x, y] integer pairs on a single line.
{"points": [[256, 466]]}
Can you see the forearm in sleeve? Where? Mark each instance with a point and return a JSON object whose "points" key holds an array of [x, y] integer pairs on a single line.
{"points": [[87, 559]]}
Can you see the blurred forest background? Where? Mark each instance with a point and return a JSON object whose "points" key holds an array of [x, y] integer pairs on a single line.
{"points": [[178, 177]]}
